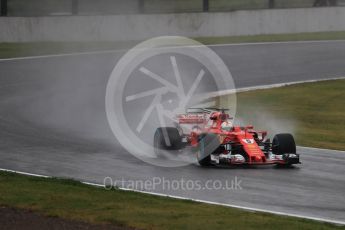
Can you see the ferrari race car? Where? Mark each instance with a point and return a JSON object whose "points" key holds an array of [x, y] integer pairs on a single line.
{"points": [[210, 134]]}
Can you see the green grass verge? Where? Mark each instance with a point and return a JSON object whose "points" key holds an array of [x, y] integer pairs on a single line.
{"points": [[313, 112], [75, 201], [10, 50]]}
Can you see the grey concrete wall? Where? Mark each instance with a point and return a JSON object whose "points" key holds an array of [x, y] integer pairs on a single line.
{"points": [[139, 27]]}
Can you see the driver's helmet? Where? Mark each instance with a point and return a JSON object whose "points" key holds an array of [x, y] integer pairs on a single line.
{"points": [[227, 125]]}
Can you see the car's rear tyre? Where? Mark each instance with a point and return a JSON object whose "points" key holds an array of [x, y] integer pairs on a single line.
{"points": [[207, 145], [173, 141], [283, 143]]}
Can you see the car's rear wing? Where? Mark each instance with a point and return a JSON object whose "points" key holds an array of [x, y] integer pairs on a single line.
{"points": [[192, 118], [205, 110], [197, 115]]}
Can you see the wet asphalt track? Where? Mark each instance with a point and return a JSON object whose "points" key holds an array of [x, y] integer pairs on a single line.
{"points": [[52, 122]]}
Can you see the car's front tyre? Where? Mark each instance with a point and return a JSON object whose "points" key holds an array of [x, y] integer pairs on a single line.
{"points": [[207, 145], [285, 146], [283, 143]]}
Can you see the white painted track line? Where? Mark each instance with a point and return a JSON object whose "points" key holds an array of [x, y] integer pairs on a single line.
{"points": [[321, 149], [260, 87], [124, 50]]}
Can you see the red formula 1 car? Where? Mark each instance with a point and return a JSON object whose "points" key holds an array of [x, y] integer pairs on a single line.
{"points": [[211, 134]]}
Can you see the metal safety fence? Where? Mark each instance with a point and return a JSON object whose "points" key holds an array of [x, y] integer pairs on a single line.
{"points": [[106, 7]]}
